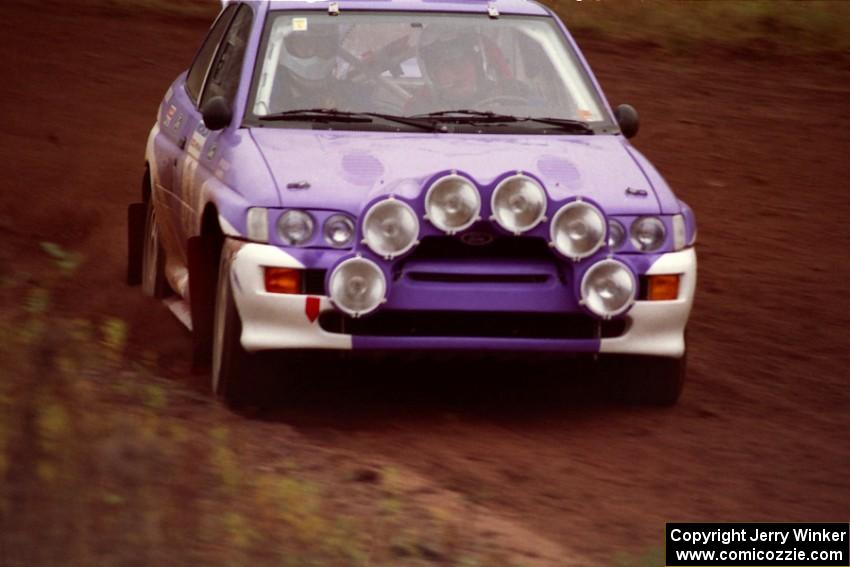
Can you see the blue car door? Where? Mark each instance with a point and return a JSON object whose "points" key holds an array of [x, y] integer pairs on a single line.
{"points": [[202, 145], [186, 122]]}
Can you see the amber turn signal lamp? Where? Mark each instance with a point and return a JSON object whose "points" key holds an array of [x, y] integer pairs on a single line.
{"points": [[662, 288], [283, 280]]}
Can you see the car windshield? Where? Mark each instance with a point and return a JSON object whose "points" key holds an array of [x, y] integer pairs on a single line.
{"points": [[417, 64]]}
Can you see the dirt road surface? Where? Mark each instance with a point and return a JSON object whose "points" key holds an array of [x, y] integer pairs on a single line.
{"points": [[758, 147]]}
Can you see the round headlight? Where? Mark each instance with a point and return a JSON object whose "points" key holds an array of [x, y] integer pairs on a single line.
{"points": [[648, 233], [519, 204], [357, 286], [390, 228], [578, 230], [339, 231], [295, 227], [616, 235], [452, 203], [608, 288]]}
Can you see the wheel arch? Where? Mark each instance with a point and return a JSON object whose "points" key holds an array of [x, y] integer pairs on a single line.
{"points": [[147, 185], [210, 230]]}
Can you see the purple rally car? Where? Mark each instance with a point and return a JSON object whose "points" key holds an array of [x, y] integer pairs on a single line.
{"points": [[377, 175]]}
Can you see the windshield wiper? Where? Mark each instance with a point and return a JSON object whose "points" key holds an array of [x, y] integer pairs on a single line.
{"points": [[330, 114], [429, 121], [324, 114], [468, 116]]}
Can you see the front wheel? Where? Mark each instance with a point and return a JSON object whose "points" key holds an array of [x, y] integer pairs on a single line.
{"points": [[235, 374], [154, 283]]}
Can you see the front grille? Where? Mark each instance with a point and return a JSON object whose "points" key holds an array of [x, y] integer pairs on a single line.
{"points": [[502, 247], [436, 277], [472, 324]]}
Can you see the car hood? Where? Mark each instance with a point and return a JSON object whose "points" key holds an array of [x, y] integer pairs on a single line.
{"points": [[344, 170]]}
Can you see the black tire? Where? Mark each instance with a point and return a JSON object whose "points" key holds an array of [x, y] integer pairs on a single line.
{"points": [[236, 377], [153, 281], [136, 220], [203, 274], [647, 380]]}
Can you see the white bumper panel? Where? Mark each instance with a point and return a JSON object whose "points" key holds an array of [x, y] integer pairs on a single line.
{"points": [[273, 320], [658, 327]]}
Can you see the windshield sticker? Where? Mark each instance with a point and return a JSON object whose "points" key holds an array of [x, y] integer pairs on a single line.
{"points": [[299, 24]]}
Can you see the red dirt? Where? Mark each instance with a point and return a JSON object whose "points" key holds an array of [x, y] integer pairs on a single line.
{"points": [[758, 149]]}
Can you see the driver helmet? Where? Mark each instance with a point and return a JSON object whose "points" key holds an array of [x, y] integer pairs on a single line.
{"points": [[309, 54], [451, 58]]}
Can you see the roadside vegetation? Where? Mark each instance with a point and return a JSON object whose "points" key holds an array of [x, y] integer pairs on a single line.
{"points": [[104, 462]]}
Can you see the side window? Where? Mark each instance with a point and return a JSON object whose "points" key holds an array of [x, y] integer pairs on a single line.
{"points": [[198, 71], [227, 68]]}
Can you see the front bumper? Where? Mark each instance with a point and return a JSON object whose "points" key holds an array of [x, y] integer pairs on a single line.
{"points": [[272, 321]]}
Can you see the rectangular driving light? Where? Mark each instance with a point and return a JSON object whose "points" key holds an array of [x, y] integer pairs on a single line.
{"points": [[283, 280]]}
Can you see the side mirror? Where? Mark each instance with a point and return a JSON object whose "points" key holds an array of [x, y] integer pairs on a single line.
{"points": [[217, 113], [627, 118]]}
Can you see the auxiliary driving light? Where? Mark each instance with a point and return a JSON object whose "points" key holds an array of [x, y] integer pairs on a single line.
{"points": [[519, 204], [453, 203], [357, 286], [578, 230], [390, 228], [608, 288]]}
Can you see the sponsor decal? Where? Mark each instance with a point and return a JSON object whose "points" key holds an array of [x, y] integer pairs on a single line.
{"points": [[196, 144], [172, 110], [179, 122], [211, 152]]}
